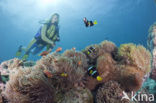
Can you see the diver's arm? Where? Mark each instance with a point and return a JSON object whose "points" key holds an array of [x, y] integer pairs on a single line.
{"points": [[43, 35], [58, 37]]}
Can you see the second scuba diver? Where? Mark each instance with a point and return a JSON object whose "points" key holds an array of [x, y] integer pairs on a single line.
{"points": [[89, 23], [47, 35]]}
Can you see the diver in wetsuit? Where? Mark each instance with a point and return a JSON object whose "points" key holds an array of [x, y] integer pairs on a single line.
{"points": [[45, 37], [89, 23]]}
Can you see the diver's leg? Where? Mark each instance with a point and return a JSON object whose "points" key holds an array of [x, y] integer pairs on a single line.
{"points": [[31, 45], [20, 50], [38, 49], [91, 23], [18, 53]]}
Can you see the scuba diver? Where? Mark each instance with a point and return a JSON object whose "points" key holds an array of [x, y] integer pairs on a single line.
{"points": [[47, 35], [89, 23]]}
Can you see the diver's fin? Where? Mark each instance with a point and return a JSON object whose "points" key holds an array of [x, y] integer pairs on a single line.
{"points": [[24, 58], [95, 22], [18, 53]]}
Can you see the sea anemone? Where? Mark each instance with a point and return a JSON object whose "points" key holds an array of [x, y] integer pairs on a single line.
{"points": [[106, 47], [29, 85], [74, 72], [106, 67], [130, 77], [78, 58], [136, 56], [79, 95], [110, 92], [92, 54]]}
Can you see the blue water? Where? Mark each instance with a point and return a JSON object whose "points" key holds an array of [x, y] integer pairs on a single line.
{"points": [[121, 21]]}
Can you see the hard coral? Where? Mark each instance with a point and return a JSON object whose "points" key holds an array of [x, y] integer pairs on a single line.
{"points": [[136, 56], [151, 43]]}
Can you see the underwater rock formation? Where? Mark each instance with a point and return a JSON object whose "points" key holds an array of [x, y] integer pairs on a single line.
{"points": [[151, 43], [64, 78]]}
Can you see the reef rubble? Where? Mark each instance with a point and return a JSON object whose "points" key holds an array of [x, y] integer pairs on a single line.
{"points": [[67, 80]]}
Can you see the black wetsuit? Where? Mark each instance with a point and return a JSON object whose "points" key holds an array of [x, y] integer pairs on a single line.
{"points": [[89, 23]]}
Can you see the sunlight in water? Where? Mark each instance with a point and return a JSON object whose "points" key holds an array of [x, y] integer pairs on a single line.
{"points": [[47, 3]]}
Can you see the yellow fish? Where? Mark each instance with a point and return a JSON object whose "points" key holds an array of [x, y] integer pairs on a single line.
{"points": [[64, 74]]}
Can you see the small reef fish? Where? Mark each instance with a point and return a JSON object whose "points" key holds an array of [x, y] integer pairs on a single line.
{"points": [[79, 63], [91, 50], [45, 53], [64, 74], [89, 23], [92, 71], [59, 49], [48, 74], [74, 48]]}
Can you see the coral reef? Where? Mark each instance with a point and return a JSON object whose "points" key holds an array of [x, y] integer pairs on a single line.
{"points": [[64, 78], [150, 83], [151, 43]]}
